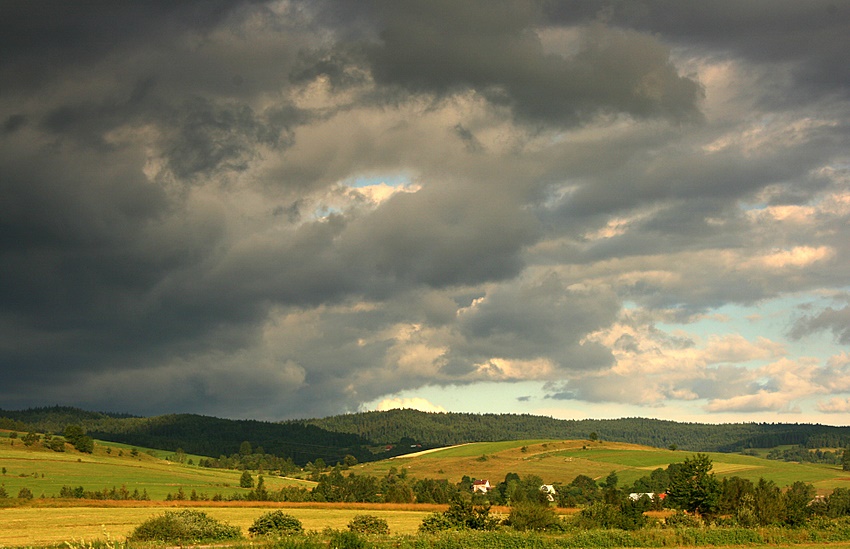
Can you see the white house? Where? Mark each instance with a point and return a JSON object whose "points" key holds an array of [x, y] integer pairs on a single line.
{"points": [[482, 486], [549, 490]]}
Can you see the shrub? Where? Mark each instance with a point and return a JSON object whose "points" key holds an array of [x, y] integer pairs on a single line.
{"points": [[598, 515], [182, 526], [682, 520], [436, 522], [276, 523], [25, 493], [464, 514], [342, 539], [57, 444], [368, 524], [461, 515], [532, 516]]}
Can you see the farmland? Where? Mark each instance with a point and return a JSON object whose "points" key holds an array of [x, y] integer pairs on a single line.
{"points": [[53, 525], [562, 461], [47, 519], [45, 472]]}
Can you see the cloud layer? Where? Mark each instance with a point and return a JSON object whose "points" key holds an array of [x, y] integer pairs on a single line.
{"points": [[292, 208]]}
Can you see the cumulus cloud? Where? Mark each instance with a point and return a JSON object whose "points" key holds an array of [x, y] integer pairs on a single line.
{"points": [[279, 209], [835, 406], [414, 403]]}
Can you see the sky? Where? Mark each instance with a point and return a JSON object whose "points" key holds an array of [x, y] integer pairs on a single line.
{"points": [[294, 209]]}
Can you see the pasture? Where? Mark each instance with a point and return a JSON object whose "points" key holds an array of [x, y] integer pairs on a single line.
{"points": [[44, 472], [46, 520], [561, 461]]}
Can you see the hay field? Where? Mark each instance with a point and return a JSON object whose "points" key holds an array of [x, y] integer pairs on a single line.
{"points": [[40, 526]]}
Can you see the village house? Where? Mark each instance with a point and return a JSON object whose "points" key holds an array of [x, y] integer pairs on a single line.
{"points": [[634, 496], [550, 492], [482, 486]]}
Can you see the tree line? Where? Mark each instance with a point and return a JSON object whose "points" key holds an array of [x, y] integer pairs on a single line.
{"points": [[689, 487], [377, 435]]}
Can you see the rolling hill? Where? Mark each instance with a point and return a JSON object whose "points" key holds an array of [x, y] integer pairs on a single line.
{"points": [[560, 461], [367, 435], [114, 465]]}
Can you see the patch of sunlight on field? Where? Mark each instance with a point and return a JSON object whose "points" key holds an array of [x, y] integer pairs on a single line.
{"points": [[727, 469]]}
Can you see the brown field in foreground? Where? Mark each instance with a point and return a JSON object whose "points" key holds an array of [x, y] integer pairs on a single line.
{"points": [[51, 523], [46, 522], [43, 523]]}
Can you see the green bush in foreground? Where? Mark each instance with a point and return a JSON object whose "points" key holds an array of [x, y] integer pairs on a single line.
{"points": [[183, 526], [343, 539], [533, 516], [276, 523], [461, 515], [369, 524]]}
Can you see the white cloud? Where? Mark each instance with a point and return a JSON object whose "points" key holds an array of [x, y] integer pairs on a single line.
{"points": [[835, 406], [757, 402], [797, 257], [413, 403], [511, 369]]}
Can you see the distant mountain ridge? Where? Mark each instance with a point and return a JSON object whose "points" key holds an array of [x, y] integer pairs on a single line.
{"points": [[366, 435]]}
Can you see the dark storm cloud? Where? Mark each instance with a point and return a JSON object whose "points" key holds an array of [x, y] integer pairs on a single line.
{"points": [[202, 209], [38, 39], [813, 36], [445, 47], [442, 238], [539, 319]]}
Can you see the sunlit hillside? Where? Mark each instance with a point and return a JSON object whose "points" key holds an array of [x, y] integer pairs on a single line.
{"points": [[560, 461]]}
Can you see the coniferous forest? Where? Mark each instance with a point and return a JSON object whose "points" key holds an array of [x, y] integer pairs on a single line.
{"points": [[366, 435]]}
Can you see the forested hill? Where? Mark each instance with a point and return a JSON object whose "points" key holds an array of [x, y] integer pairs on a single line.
{"points": [[195, 434], [442, 429], [362, 434]]}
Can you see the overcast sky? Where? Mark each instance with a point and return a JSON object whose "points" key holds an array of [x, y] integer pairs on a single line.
{"points": [[291, 209]]}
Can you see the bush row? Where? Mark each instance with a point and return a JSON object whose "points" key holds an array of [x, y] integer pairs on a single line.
{"points": [[282, 531], [467, 526]]}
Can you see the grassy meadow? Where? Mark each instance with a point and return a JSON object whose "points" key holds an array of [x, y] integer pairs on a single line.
{"points": [[562, 461], [44, 472], [46, 520]]}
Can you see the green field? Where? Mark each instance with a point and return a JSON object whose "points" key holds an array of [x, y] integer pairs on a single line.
{"points": [[561, 461], [52, 521], [44, 472]]}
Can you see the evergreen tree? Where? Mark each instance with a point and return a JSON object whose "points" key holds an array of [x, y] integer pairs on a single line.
{"points": [[693, 487], [245, 481]]}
